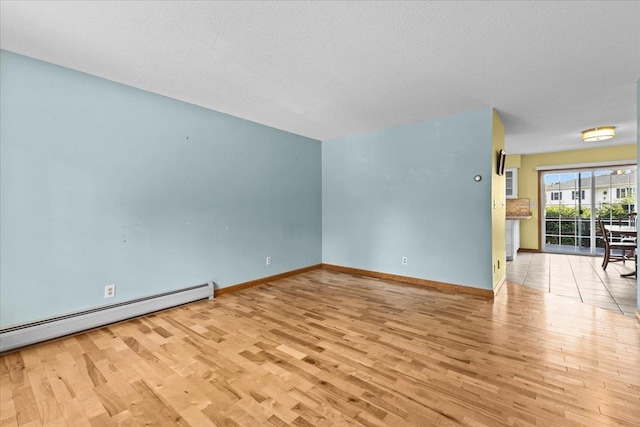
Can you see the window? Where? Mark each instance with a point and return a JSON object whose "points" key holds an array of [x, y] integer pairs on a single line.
{"points": [[621, 193], [556, 195], [574, 195]]}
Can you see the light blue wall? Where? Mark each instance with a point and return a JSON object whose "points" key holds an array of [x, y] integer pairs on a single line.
{"points": [[103, 183], [409, 191]]}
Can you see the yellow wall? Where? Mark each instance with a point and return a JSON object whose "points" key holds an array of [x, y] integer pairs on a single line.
{"points": [[513, 161], [498, 247], [528, 181]]}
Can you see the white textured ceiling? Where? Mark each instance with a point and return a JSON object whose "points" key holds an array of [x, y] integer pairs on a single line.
{"points": [[328, 69]]}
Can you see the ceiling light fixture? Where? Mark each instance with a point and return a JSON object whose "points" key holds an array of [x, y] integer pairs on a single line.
{"points": [[598, 134]]}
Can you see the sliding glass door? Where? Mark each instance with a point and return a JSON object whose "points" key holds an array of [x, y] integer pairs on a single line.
{"points": [[573, 199]]}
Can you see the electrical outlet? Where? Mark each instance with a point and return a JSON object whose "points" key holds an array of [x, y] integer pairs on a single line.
{"points": [[404, 260], [268, 260], [110, 291]]}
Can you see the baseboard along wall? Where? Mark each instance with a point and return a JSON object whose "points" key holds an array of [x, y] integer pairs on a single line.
{"points": [[488, 293], [239, 286]]}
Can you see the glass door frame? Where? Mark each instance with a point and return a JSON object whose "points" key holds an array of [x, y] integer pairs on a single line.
{"points": [[577, 169]]}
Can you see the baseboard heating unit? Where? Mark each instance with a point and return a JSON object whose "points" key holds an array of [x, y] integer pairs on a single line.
{"points": [[42, 330]]}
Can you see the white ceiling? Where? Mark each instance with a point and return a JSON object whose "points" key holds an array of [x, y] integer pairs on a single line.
{"points": [[329, 69]]}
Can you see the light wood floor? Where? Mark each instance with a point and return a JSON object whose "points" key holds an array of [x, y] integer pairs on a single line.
{"points": [[330, 349]]}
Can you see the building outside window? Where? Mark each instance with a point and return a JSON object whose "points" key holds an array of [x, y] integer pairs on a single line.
{"points": [[556, 195]]}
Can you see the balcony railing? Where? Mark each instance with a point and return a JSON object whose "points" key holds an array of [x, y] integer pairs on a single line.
{"points": [[577, 231]]}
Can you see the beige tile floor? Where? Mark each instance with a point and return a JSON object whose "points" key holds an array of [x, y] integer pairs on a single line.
{"points": [[578, 277]]}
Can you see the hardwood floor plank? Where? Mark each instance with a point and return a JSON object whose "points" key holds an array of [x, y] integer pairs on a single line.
{"points": [[26, 405], [73, 413], [326, 349]]}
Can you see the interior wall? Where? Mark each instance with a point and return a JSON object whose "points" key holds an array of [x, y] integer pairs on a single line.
{"points": [[513, 161], [409, 191], [528, 185], [498, 211], [102, 183]]}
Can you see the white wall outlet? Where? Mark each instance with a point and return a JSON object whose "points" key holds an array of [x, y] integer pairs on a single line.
{"points": [[268, 260], [404, 260], [110, 291]]}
